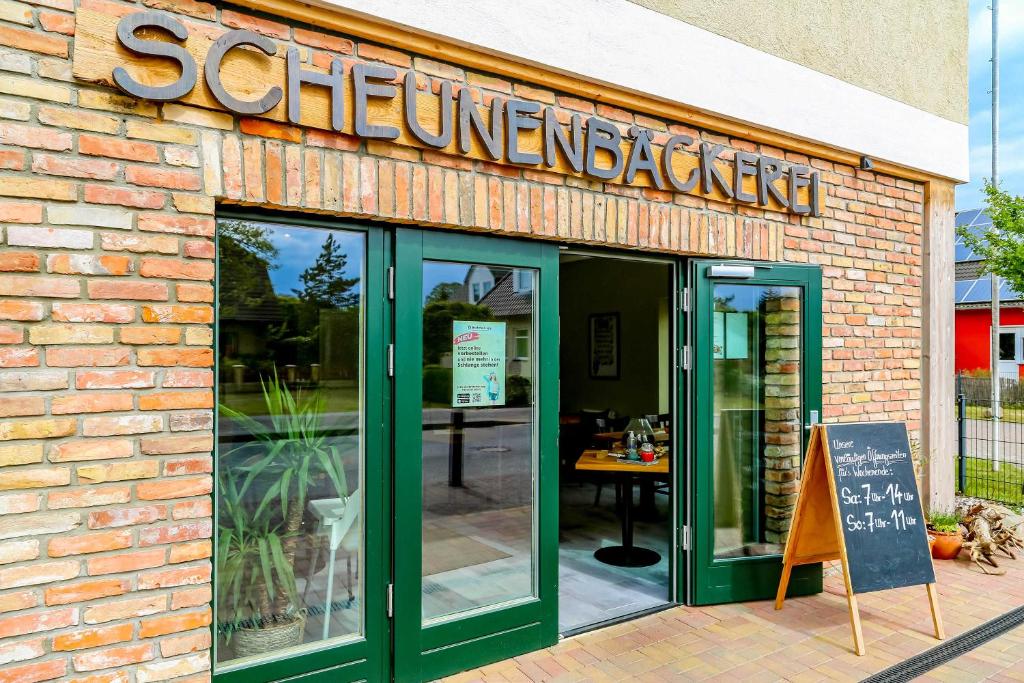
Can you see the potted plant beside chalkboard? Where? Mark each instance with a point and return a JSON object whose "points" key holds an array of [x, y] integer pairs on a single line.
{"points": [[945, 534]]}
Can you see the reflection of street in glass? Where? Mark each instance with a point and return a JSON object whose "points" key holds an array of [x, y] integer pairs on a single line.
{"points": [[478, 445], [478, 537]]}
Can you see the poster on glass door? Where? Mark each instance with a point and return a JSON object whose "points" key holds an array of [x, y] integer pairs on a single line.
{"points": [[478, 363]]}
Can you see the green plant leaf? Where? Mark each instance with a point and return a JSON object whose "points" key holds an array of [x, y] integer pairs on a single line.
{"points": [[284, 570], [269, 496], [1001, 244], [268, 462], [265, 566], [285, 486], [331, 464]]}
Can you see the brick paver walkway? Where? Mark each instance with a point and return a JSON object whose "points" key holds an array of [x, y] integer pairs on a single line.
{"points": [[809, 640]]}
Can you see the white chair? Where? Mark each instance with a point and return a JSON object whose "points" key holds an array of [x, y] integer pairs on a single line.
{"points": [[336, 519]]}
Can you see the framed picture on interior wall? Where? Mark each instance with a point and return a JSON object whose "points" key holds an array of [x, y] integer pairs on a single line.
{"points": [[604, 346]]}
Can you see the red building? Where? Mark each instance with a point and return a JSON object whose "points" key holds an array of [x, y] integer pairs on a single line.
{"points": [[973, 318]]}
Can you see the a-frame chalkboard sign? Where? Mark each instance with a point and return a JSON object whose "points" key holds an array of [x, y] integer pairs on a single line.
{"points": [[859, 503]]}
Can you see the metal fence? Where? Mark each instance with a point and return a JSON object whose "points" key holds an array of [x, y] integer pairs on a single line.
{"points": [[990, 460]]}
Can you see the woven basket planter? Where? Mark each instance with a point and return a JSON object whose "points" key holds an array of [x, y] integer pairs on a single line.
{"points": [[248, 642]]}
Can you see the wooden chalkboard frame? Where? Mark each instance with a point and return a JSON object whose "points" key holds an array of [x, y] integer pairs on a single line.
{"points": [[816, 534]]}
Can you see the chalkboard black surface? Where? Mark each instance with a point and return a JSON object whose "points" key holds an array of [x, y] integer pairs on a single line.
{"points": [[879, 506]]}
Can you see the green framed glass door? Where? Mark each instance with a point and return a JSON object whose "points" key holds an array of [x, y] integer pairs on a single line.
{"points": [[756, 386], [476, 457], [302, 549]]}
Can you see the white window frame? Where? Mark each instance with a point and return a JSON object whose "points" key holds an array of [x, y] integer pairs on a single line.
{"points": [[1018, 342], [522, 333], [518, 284]]}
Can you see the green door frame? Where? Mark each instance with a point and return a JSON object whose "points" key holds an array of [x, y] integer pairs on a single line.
{"points": [[393, 485], [426, 653], [366, 657], [748, 578]]}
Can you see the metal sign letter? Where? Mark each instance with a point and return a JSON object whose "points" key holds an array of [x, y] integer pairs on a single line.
{"points": [[156, 48], [221, 47]]}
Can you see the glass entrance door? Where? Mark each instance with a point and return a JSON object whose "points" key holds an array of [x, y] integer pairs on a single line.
{"points": [[757, 385], [475, 364]]}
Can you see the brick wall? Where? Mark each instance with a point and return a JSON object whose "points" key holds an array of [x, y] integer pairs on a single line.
{"points": [[783, 422], [106, 207]]}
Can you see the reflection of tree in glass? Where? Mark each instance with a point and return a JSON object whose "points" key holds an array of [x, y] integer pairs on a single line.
{"points": [[253, 237], [724, 303], [443, 291], [767, 295], [317, 323], [248, 255], [324, 283], [437, 325], [323, 317]]}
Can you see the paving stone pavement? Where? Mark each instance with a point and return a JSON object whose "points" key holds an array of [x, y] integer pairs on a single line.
{"points": [[999, 660], [809, 640]]}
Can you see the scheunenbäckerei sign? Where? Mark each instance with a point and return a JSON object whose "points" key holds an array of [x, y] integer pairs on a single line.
{"points": [[154, 56]]}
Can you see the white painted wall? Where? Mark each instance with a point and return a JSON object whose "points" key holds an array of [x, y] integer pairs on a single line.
{"points": [[629, 46]]}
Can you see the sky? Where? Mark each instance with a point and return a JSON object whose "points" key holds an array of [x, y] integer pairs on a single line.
{"points": [[1011, 94], [298, 248]]}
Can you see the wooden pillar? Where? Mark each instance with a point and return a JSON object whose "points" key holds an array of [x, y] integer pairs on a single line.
{"points": [[938, 414]]}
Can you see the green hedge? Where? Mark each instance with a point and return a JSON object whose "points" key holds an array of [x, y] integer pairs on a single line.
{"points": [[437, 384]]}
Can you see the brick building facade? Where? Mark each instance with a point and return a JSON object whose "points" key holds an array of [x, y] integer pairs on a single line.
{"points": [[107, 295]]}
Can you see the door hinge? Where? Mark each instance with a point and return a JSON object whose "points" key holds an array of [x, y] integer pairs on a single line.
{"points": [[684, 537], [686, 300], [391, 283], [391, 360], [684, 357], [390, 600]]}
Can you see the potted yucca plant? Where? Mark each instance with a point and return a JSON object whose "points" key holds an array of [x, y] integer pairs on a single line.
{"points": [[256, 581], [265, 484]]}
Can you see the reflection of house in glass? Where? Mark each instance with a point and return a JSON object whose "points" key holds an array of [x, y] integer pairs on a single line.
{"points": [[478, 282], [248, 308]]}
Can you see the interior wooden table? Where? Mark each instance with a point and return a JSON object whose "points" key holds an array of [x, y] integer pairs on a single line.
{"points": [[626, 474]]}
